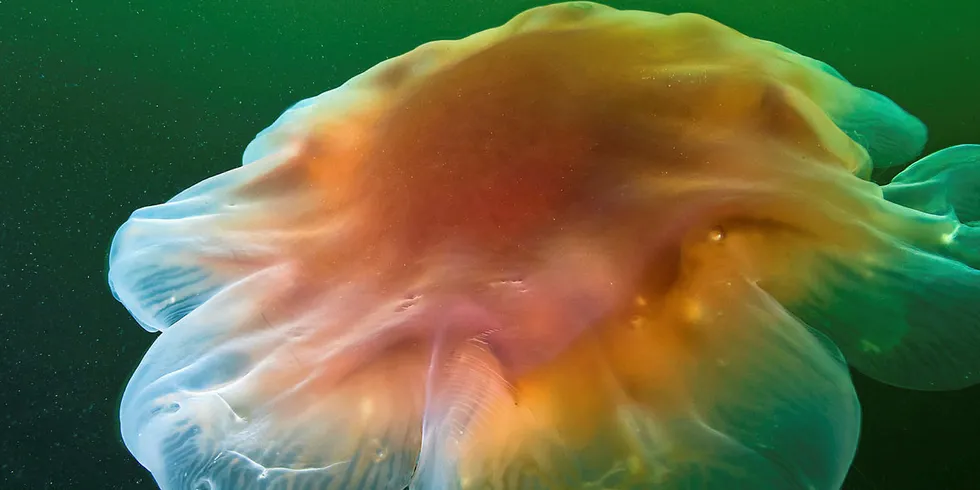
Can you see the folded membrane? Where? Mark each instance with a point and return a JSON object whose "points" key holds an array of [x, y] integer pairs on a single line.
{"points": [[587, 249]]}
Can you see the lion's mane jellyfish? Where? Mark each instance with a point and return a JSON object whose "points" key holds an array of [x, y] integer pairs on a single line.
{"points": [[590, 248]]}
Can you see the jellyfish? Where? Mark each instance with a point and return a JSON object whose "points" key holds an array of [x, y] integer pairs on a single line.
{"points": [[589, 248]]}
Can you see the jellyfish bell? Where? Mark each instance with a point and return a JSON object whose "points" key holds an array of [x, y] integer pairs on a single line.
{"points": [[588, 248]]}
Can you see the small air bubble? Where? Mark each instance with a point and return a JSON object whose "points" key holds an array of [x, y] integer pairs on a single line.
{"points": [[380, 454], [716, 234]]}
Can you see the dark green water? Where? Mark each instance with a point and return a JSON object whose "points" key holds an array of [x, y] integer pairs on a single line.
{"points": [[109, 105]]}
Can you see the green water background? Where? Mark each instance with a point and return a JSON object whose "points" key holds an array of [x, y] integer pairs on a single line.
{"points": [[106, 106]]}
